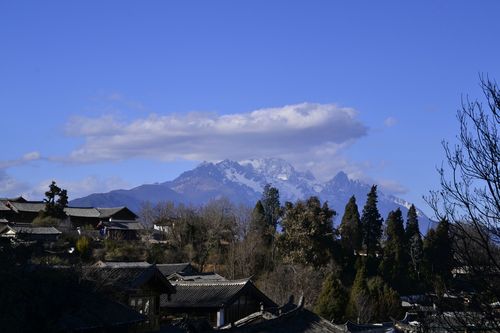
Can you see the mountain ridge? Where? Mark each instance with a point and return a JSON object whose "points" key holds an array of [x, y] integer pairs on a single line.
{"points": [[242, 183]]}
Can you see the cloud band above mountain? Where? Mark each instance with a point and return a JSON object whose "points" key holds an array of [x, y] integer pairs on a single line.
{"points": [[293, 129]]}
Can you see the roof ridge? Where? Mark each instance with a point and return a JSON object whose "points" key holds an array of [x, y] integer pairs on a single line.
{"points": [[240, 282]]}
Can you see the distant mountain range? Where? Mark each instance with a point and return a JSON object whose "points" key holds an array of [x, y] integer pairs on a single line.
{"points": [[242, 182]]}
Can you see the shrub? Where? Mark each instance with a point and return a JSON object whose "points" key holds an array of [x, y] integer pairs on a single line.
{"points": [[83, 247]]}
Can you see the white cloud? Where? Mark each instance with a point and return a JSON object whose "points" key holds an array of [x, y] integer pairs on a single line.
{"points": [[390, 121], [9, 186], [26, 158], [392, 187], [300, 131]]}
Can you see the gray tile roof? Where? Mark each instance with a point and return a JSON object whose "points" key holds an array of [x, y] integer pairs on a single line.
{"points": [[32, 206], [123, 225], [169, 269], [107, 212], [121, 264], [128, 278], [297, 321], [196, 277], [82, 212], [210, 294], [35, 230], [16, 199], [3, 206]]}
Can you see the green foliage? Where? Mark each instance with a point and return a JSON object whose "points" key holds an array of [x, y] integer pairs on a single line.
{"points": [[55, 207], [438, 254], [371, 223], [333, 299], [261, 237], [394, 267], [271, 205], [83, 247], [116, 250], [156, 254], [372, 299], [350, 228], [44, 220], [308, 235], [259, 224], [415, 250], [385, 300], [360, 308]]}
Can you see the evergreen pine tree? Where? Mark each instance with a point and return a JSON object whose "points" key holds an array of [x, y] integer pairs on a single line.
{"points": [[55, 208], [332, 301], [371, 223], [258, 223], [350, 228], [308, 235], [360, 308], [414, 246], [438, 254], [271, 203], [394, 262]]}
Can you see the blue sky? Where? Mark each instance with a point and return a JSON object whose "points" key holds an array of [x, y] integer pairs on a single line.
{"points": [[100, 95]]}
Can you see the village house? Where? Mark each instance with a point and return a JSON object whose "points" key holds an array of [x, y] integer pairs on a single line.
{"points": [[218, 302], [27, 232], [115, 222], [139, 285]]}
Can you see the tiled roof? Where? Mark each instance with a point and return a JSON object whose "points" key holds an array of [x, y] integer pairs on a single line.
{"points": [[108, 212], [123, 225], [32, 206], [209, 294], [196, 277], [169, 269], [16, 199], [121, 264], [128, 277], [82, 211], [3, 206], [35, 230], [297, 321]]}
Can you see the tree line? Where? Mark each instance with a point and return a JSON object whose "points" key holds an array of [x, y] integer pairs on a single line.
{"points": [[356, 271]]}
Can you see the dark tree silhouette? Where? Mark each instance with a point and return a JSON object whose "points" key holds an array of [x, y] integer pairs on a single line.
{"points": [[469, 197]]}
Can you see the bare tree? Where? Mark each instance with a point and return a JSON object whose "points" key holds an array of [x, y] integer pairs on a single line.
{"points": [[469, 199]]}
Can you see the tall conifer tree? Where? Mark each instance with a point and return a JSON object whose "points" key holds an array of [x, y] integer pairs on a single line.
{"points": [[350, 228], [371, 223], [394, 262], [414, 245]]}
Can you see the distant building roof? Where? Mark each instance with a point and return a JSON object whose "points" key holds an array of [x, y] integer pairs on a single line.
{"points": [[169, 269], [34, 230], [15, 199], [121, 264], [3, 206], [123, 225], [128, 277], [293, 319], [82, 211], [30, 206], [108, 212], [196, 277], [210, 294]]}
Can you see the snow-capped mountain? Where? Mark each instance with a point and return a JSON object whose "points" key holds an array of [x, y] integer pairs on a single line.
{"points": [[242, 182]]}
